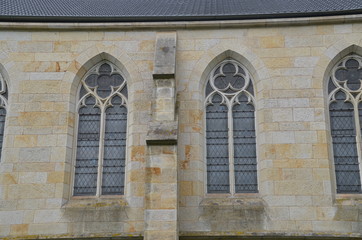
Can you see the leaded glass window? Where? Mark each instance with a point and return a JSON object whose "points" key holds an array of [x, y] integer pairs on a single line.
{"points": [[230, 130], [102, 128], [3, 106], [345, 112]]}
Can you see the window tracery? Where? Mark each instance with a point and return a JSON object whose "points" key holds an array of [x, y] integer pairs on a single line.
{"points": [[102, 128], [230, 130], [345, 110], [3, 108]]}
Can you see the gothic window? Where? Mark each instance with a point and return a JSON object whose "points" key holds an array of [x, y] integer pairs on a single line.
{"points": [[230, 130], [3, 105], [102, 127], [345, 112]]}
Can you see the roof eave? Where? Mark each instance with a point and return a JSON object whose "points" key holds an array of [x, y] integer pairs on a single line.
{"points": [[18, 18]]}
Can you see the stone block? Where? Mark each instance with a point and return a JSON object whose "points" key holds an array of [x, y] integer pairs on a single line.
{"points": [[32, 167], [302, 213], [48, 228], [26, 141], [272, 42], [34, 154], [282, 115], [343, 28], [278, 62], [31, 191], [11, 217], [32, 177], [47, 216], [303, 114], [305, 62], [45, 36], [19, 229], [303, 41], [35, 47]]}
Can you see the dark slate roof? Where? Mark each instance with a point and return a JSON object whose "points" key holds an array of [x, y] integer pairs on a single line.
{"points": [[170, 10]]}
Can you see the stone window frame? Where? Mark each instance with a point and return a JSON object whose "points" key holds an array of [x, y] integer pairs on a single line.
{"points": [[207, 100], [355, 101], [92, 70], [3, 105]]}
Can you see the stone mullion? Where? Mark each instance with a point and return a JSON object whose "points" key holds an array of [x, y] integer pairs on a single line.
{"points": [[231, 148], [101, 151], [358, 135]]}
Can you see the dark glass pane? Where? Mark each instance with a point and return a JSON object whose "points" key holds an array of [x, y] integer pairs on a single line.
{"points": [[244, 147], [104, 86], [86, 168], [208, 89], [91, 80], [241, 71], [331, 86], [117, 80], [344, 145], [2, 125], [124, 91], [352, 64], [352, 74], [250, 88], [217, 154], [114, 149], [82, 92], [105, 68]]}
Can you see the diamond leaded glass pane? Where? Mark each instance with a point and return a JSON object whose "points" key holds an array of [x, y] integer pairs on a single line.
{"points": [[230, 127], [114, 148], [344, 145], [244, 147], [86, 169], [217, 154], [102, 95]]}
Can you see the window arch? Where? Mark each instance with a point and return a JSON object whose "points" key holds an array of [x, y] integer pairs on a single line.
{"points": [[3, 108], [102, 130], [230, 130], [345, 113]]}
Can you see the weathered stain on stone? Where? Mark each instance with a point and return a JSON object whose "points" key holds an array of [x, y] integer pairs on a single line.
{"points": [[153, 171], [138, 153], [236, 214]]}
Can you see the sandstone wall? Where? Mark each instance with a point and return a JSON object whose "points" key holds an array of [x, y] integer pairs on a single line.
{"points": [[289, 64]]}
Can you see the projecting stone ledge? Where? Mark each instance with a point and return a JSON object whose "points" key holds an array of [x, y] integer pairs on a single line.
{"points": [[162, 133]]}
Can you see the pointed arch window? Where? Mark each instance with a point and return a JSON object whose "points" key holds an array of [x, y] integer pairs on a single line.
{"points": [[102, 130], [345, 113], [3, 107], [230, 130]]}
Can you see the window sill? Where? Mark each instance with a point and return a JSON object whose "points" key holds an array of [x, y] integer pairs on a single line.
{"points": [[96, 202], [244, 201], [348, 199]]}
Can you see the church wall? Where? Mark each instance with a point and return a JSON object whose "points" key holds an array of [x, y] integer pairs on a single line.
{"points": [[289, 67]]}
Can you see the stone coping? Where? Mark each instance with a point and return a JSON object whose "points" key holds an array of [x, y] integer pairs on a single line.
{"points": [[183, 24], [95, 203], [348, 199]]}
